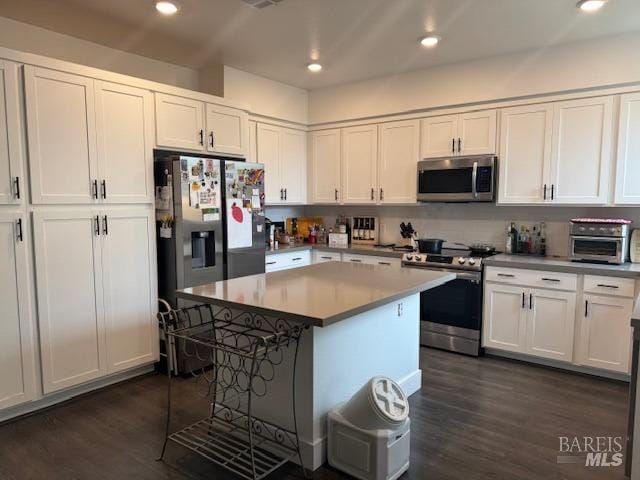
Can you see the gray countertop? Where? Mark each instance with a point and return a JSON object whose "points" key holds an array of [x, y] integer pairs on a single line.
{"points": [[353, 249], [559, 264], [319, 294]]}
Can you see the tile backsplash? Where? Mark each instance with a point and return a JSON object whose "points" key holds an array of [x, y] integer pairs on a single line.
{"points": [[463, 223]]}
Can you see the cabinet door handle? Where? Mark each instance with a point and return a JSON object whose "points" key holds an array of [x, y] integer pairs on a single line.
{"points": [[95, 189], [297, 259], [544, 192], [336, 195], [459, 145], [607, 286], [212, 138], [282, 194], [104, 189], [97, 225], [373, 193], [285, 193], [16, 181], [531, 301], [381, 194], [586, 308], [105, 225], [453, 145], [552, 190], [271, 263], [506, 275], [550, 279], [19, 233], [201, 137], [522, 299]]}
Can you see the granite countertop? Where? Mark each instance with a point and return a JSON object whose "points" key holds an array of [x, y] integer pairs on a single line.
{"points": [[560, 264], [353, 249], [319, 294]]}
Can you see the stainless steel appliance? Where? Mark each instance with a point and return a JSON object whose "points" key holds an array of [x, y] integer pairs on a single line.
{"points": [[603, 242], [451, 315], [457, 179], [210, 214]]}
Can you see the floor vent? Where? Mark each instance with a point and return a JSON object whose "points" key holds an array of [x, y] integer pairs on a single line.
{"points": [[262, 3]]}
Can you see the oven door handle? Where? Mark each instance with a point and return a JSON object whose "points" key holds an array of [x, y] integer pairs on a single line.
{"points": [[474, 180], [475, 277]]}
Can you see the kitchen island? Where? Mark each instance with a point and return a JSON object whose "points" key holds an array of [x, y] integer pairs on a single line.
{"points": [[361, 321]]}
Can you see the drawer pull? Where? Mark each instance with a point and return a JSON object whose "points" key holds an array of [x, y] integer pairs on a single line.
{"points": [[507, 275], [297, 259], [271, 263], [327, 258], [355, 260], [384, 263], [551, 279], [604, 285]]}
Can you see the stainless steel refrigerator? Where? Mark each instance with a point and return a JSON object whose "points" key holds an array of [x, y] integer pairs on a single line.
{"points": [[210, 215]]}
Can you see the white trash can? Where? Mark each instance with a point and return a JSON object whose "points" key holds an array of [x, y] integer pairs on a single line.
{"points": [[368, 436]]}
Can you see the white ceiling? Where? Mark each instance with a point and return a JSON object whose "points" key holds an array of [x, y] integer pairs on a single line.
{"points": [[353, 39]]}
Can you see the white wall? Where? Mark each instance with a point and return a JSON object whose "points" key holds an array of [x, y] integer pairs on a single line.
{"points": [[595, 63], [28, 38], [267, 97]]}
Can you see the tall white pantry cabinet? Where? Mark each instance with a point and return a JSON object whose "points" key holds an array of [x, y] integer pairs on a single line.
{"points": [[90, 199]]}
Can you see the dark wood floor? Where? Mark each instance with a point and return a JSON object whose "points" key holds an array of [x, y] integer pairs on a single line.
{"points": [[484, 418]]}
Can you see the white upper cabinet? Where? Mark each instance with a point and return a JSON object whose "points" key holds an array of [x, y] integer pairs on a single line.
{"points": [[283, 151], [398, 161], [268, 153], [477, 132], [550, 324], [61, 136], [70, 310], [605, 333], [227, 130], [581, 153], [359, 164], [472, 133], [293, 165], [17, 384], [252, 156], [124, 124], [11, 174], [525, 154], [326, 156], [187, 124], [439, 136], [128, 261], [628, 158], [179, 123]]}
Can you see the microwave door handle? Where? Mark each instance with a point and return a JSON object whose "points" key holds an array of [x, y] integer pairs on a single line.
{"points": [[474, 180]]}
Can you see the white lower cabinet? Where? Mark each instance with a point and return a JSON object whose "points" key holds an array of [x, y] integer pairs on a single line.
{"points": [[550, 324], [318, 256], [371, 260], [605, 333], [96, 293], [504, 317], [287, 260], [16, 348]]}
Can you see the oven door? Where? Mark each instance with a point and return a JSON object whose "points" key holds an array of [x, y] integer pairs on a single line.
{"points": [[462, 179], [597, 249]]}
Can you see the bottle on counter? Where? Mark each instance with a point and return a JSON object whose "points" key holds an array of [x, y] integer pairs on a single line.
{"points": [[348, 230], [543, 239], [535, 240], [509, 244]]}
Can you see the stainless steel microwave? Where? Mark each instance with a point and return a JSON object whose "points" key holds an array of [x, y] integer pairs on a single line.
{"points": [[457, 179]]}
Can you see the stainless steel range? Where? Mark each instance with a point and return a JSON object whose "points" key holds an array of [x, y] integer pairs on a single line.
{"points": [[451, 315]]}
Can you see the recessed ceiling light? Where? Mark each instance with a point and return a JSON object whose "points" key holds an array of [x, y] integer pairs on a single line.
{"points": [[430, 41], [166, 8], [590, 5], [314, 67]]}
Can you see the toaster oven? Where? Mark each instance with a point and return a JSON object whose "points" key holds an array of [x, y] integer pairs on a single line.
{"points": [[599, 242]]}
